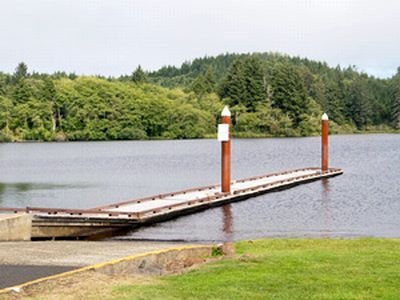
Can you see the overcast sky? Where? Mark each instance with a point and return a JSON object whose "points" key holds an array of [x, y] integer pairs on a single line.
{"points": [[112, 37]]}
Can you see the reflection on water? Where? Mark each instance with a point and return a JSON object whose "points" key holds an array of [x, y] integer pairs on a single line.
{"points": [[228, 222], [325, 188], [29, 186], [327, 218], [364, 201], [2, 191], [19, 191]]}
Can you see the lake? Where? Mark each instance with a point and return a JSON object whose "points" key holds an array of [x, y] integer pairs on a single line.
{"points": [[364, 201]]}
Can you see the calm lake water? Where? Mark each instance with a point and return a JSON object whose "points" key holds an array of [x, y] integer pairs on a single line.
{"points": [[365, 201]]}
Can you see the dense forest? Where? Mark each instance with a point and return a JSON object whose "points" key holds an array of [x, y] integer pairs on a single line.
{"points": [[269, 94]]}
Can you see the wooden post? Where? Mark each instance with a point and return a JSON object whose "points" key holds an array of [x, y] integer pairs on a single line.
{"points": [[224, 138], [324, 142]]}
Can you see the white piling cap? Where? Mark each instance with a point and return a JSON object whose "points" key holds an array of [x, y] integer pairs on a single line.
{"points": [[226, 112], [324, 117]]}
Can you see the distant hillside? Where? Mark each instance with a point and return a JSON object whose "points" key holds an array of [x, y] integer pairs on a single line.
{"points": [[269, 94], [351, 98]]}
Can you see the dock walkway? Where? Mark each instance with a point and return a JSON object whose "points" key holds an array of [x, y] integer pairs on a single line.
{"points": [[148, 207], [58, 222]]}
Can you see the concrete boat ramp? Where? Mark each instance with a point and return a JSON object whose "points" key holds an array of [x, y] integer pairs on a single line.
{"points": [[72, 223], [25, 266]]}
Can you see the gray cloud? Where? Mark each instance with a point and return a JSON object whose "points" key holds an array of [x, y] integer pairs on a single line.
{"points": [[113, 37]]}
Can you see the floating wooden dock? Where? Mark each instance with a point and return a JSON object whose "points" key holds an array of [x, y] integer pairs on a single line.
{"points": [[61, 223]]}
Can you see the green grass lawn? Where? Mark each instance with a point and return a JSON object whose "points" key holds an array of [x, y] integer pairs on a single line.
{"points": [[286, 269]]}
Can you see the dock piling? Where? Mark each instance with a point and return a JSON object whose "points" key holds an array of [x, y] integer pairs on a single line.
{"points": [[224, 138], [324, 142]]}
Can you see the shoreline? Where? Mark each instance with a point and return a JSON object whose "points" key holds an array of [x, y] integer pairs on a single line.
{"points": [[279, 268], [209, 137]]}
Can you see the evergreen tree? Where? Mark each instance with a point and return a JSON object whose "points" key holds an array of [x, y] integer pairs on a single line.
{"points": [[288, 91], [335, 102], [396, 109], [233, 87], [255, 89], [48, 90], [317, 91], [245, 83], [205, 83], [21, 72], [21, 92], [72, 76], [358, 105], [48, 94], [139, 76], [209, 80], [3, 86]]}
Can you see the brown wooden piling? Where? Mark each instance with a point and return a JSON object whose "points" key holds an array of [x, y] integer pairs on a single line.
{"points": [[324, 142], [224, 137]]}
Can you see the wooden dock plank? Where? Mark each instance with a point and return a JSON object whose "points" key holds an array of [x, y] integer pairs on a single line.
{"points": [[139, 207], [180, 200], [271, 179]]}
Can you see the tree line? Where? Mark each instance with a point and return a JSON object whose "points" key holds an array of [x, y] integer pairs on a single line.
{"points": [[269, 95], [291, 88], [44, 107]]}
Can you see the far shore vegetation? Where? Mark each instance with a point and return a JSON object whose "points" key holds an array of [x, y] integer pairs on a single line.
{"points": [[269, 94]]}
